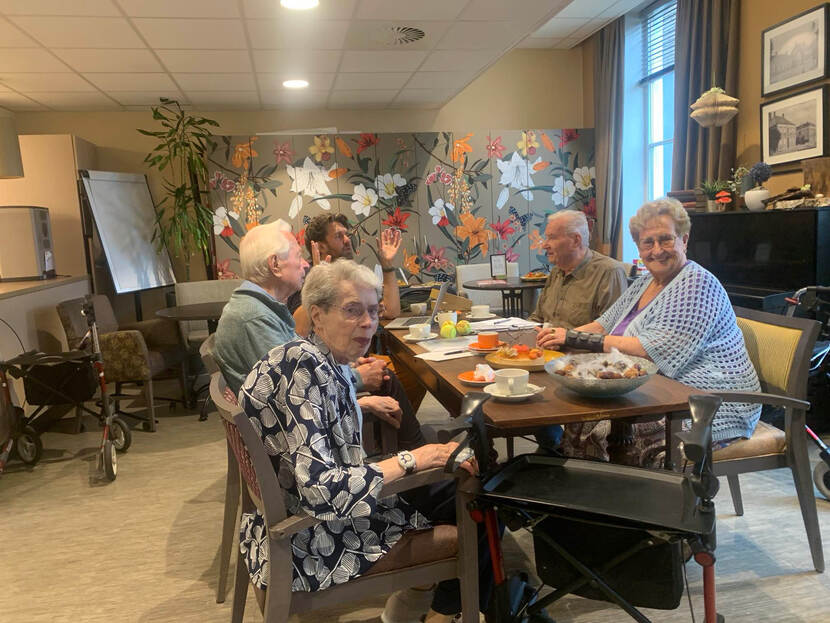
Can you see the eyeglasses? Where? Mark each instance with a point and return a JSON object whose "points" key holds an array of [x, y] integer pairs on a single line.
{"points": [[666, 241], [355, 311]]}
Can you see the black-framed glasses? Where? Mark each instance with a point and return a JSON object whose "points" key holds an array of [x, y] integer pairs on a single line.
{"points": [[665, 241], [355, 311]]}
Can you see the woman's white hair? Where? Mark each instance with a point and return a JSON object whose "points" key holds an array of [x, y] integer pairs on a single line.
{"points": [[574, 222], [322, 284], [257, 247], [657, 208]]}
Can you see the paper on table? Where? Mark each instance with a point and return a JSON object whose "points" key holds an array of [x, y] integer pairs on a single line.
{"points": [[443, 345], [503, 324], [440, 356]]}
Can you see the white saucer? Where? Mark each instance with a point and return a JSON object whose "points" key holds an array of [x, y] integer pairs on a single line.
{"points": [[411, 338], [532, 390], [484, 317]]}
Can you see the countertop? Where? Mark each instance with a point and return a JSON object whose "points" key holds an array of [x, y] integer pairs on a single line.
{"points": [[9, 289]]}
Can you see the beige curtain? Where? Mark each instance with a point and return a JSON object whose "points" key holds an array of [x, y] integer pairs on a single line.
{"points": [[609, 63], [706, 55]]}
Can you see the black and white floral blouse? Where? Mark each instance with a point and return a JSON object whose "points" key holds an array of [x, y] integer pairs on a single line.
{"points": [[303, 404]]}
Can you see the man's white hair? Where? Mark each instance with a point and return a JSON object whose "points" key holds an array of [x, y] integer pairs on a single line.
{"points": [[259, 245], [574, 222]]}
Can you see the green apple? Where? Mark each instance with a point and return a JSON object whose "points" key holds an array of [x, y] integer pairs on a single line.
{"points": [[463, 327], [448, 330]]}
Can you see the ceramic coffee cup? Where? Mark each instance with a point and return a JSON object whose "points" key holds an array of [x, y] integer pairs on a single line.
{"points": [[511, 381], [446, 317], [418, 308], [419, 331], [477, 311], [488, 339]]}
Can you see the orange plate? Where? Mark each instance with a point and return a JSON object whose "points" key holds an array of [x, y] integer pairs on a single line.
{"points": [[468, 379], [495, 360], [475, 346], [523, 278]]}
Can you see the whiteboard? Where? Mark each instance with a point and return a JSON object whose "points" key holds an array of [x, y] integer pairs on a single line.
{"points": [[125, 219]]}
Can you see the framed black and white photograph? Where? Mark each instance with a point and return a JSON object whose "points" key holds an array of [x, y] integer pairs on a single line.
{"points": [[498, 266], [793, 128], [794, 52]]}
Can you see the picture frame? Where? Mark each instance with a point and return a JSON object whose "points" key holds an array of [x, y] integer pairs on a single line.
{"points": [[795, 52], [794, 127], [498, 266]]}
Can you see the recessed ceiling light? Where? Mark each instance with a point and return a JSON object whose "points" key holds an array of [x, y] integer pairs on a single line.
{"points": [[295, 84], [299, 5]]}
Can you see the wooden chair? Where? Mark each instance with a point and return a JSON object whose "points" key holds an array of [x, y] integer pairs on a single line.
{"points": [[780, 349], [404, 567]]}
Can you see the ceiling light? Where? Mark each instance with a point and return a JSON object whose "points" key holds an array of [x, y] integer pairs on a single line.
{"points": [[299, 5], [295, 84]]}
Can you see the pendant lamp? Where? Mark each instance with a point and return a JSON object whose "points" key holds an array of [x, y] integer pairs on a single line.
{"points": [[714, 108]]}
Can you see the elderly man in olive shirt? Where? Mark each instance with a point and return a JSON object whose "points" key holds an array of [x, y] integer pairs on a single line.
{"points": [[582, 283]]}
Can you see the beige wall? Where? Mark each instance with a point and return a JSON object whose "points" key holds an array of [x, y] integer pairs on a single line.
{"points": [[756, 15], [588, 47]]}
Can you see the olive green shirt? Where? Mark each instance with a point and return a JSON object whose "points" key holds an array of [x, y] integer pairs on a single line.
{"points": [[582, 296]]}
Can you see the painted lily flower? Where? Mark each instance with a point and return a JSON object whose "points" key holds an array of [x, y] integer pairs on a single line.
{"points": [[283, 152], [528, 143], [590, 208], [503, 228], [221, 221], [511, 255], [343, 147], [474, 229], [461, 147], [223, 270], [438, 211], [363, 200], [309, 180], [242, 152], [410, 263], [300, 236], [439, 174], [387, 183], [434, 259], [494, 147], [562, 191], [322, 149], [366, 140], [515, 173], [582, 177], [568, 136], [397, 219], [536, 241]]}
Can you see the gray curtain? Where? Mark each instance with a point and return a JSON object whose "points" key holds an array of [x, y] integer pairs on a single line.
{"points": [[609, 64], [706, 55]]}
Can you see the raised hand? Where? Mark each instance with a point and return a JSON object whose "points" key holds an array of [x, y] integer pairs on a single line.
{"points": [[388, 245], [315, 254]]}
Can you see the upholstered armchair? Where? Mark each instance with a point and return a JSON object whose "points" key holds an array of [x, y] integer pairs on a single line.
{"points": [[137, 352]]}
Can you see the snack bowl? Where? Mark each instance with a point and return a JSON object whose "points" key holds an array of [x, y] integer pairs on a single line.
{"points": [[596, 387]]}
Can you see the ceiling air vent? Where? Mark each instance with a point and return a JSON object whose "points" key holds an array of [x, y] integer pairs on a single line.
{"points": [[399, 35]]}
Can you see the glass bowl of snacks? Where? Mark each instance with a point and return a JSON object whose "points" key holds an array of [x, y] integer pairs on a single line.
{"points": [[601, 375]]}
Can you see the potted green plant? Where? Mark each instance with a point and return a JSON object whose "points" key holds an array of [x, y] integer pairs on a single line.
{"points": [[711, 188], [754, 198], [184, 220]]}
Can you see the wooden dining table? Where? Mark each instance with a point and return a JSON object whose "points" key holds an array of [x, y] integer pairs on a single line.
{"points": [[554, 405]]}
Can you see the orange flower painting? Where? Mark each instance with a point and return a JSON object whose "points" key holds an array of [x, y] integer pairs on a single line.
{"points": [[475, 230], [410, 263], [242, 152], [343, 147], [461, 147]]}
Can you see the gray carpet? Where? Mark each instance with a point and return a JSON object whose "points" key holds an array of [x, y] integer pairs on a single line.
{"points": [[145, 547]]}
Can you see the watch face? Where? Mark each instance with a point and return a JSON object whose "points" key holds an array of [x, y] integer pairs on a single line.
{"points": [[407, 461]]}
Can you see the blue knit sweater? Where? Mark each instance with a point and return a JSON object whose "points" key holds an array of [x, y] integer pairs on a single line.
{"points": [[689, 331]]}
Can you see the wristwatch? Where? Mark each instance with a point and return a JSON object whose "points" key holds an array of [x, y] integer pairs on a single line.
{"points": [[407, 461]]}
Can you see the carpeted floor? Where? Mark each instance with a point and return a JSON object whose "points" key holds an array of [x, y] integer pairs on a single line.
{"points": [[144, 548]]}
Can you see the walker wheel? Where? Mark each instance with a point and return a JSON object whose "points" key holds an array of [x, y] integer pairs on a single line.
{"points": [[110, 460], [29, 446], [120, 434], [821, 476]]}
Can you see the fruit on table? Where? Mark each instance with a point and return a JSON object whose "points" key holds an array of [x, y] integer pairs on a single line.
{"points": [[448, 330], [463, 327]]}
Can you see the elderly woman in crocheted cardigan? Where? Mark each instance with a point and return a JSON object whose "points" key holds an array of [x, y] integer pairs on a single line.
{"points": [[302, 401], [679, 316]]}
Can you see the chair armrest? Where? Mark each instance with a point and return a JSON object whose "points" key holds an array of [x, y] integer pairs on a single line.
{"points": [[292, 525], [761, 398], [157, 332], [125, 356]]}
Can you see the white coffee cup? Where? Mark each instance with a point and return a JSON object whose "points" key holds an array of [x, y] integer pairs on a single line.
{"points": [[446, 317], [418, 308], [478, 311], [419, 331], [511, 381]]}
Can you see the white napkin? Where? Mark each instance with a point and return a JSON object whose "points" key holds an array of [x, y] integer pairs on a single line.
{"points": [[439, 356], [483, 372], [503, 324], [442, 345]]}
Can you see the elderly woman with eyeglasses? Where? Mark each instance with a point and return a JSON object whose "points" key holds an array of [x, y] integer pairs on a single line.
{"points": [[679, 316], [301, 398]]}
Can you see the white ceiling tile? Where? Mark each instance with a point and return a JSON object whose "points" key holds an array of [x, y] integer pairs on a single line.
{"points": [[138, 98], [224, 100], [410, 9], [287, 34], [76, 101], [328, 9], [58, 7], [30, 59], [131, 82], [423, 98], [560, 27], [45, 82], [480, 36], [86, 60], [273, 81], [286, 98], [363, 98], [539, 42], [321, 61], [372, 80], [12, 37], [462, 60], [80, 32], [587, 8], [588, 29], [15, 101], [177, 34], [531, 10], [179, 8], [205, 61], [439, 79], [381, 61], [621, 8], [235, 81]]}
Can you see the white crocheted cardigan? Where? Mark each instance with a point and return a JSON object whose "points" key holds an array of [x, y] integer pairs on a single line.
{"points": [[689, 331]]}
